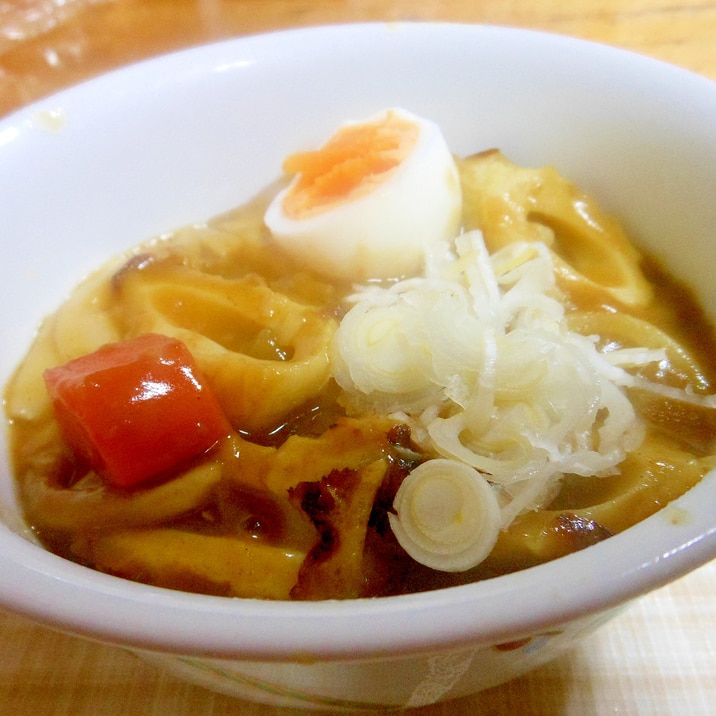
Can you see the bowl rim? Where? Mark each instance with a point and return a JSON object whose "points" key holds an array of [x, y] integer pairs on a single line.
{"points": [[65, 596]]}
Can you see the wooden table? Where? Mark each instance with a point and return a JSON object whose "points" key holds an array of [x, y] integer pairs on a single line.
{"points": [[659, 657]]}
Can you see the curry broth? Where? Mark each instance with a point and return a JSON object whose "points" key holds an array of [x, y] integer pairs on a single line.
{"points": [[294, 503]]}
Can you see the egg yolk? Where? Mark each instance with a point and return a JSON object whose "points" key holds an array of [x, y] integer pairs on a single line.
{"points": [[351, 163]]}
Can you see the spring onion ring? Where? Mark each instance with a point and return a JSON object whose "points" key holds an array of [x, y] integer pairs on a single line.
{"points": [[447, 516]]}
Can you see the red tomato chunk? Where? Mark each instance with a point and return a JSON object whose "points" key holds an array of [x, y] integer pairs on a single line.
{"points": [[136, 408]]}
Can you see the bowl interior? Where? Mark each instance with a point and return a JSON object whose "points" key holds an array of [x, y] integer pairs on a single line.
{"points": [[100, 167]]}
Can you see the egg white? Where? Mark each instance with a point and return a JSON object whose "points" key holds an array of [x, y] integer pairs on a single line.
{"points": [[383, 233]]}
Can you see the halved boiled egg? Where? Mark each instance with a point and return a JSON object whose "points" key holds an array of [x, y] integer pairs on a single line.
{"points": [[369, 202]]}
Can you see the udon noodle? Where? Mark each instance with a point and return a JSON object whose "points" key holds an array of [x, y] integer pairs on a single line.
{"points": [[298, 500]]}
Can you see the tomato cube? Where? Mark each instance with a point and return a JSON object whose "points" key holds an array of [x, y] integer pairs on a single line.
{"points": [[136, 409]]}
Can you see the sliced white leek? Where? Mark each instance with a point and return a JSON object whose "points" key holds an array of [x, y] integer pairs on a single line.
{"points": [[478, 358], [447, 516], [380, 357]]}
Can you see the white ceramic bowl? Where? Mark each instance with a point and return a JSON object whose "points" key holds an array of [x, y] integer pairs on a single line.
{"points": [[95, 169]]}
